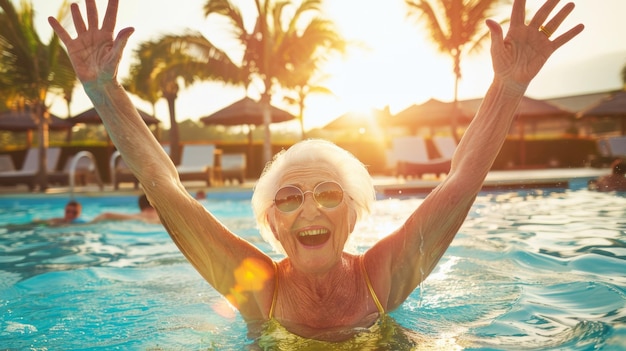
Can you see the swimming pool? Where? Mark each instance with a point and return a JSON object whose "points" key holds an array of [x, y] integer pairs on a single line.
{"points": [[529, 270]]}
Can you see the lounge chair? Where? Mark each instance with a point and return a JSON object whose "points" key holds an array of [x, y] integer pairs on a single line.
{"points": [[6, 163], [445, 145], [617, 146], [412, 159], [28, 173], [611, 148], [198, 163], [233, 167], [79, 169], [119, 171]]}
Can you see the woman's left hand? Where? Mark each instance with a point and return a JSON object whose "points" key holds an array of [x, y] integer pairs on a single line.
{"points": [[519, 56]]}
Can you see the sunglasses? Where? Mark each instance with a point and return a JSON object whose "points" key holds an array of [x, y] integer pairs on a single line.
{"points": [[289, 198]]}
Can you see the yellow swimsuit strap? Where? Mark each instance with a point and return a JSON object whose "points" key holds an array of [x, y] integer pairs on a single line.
{"points": [[271, 314], [381, 310]]}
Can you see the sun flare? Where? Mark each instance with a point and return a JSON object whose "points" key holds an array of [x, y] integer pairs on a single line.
{"points": [[393, 63]]}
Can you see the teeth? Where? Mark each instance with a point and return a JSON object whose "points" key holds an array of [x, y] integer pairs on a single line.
{"points": [[313, 232]]}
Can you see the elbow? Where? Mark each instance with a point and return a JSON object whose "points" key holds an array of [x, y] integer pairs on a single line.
{"points": [[462, 187]]}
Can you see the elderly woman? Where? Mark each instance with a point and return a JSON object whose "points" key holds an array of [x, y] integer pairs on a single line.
{"points": [[309, 199]]}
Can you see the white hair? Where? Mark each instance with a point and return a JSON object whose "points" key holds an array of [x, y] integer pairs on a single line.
{"points": [[351, 175]]}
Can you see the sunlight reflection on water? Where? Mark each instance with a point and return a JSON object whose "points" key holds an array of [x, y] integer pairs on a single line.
{"points": [[534, 270]]}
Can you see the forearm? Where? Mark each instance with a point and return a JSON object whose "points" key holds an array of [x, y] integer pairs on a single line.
{"points": [[132, 137], [472, 160], [485, 136], [434, 224]]}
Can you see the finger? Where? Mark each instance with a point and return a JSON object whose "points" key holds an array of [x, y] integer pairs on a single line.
{"points": [[543, 13], [59, 30], [110, 16], [120, 41], [92, 14], [567, 36], [79, 24], [517, 14], [497, 39], [556, 21]]}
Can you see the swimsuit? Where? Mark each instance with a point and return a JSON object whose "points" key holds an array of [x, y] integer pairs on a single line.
{"points": [[384, 334]]}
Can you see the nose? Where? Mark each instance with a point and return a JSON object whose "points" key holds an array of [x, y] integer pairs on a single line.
{"points": [[310, 207]]}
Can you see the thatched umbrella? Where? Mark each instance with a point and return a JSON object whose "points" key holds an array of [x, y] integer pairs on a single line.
{"points": [[369, 120], [245, 112], [27, 121], [612, 107], [432, 113], [361, 121], [532, 111], [91, 116]]}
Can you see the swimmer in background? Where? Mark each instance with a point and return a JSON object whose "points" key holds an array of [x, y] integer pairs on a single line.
{"points": [[200, 195], [73, 211], [147, 214], [616, 181]]}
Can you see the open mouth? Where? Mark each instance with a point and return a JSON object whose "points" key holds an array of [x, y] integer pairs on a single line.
{"points": [[314, 237]]}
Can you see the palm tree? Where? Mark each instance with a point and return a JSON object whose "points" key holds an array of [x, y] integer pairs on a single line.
{"points": [[303, 73], [162, 65], [284, 36], [457, 27], [302, 85], [30, 69], [302, 92]]}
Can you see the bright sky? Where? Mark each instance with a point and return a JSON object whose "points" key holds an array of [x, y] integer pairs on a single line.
{"points": [[401, 69]]}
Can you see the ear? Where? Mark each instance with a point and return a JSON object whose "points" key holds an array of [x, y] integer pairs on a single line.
{"points": [[351, 218], [270, 222]]}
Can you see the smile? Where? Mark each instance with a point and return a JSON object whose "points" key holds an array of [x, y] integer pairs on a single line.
{"points": [[313, 237]]}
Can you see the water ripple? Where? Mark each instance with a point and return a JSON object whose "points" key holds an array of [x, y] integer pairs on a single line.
{"points": [[534, 270]]}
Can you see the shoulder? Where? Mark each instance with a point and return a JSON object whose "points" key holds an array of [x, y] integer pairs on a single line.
{"points": [[112, 216]]}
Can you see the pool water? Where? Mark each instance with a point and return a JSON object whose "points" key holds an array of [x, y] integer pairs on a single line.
{"points": [[529, 270]]}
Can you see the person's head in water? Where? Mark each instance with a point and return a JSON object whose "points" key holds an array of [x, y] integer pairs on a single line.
{"points": [[71, 215], [143, 202], [619, 167], [73, 210]]}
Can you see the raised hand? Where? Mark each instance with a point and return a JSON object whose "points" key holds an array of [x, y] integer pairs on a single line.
{"points": [[94, 54], [522, 53]]}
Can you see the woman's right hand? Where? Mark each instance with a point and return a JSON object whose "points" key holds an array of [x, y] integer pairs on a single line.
{"points": [[94, 54]]}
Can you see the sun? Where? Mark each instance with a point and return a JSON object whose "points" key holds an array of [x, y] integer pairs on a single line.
{"points": [[391, 64], [394, 64]]}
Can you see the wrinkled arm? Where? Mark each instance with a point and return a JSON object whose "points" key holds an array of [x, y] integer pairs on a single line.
{"points": [[210, 247], [405, 258]]}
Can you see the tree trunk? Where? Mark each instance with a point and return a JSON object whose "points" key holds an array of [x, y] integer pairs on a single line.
{"points": [[457, 77], [267, 121], [301, 118], [174, 135], [42, 128], [170, 96]]}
